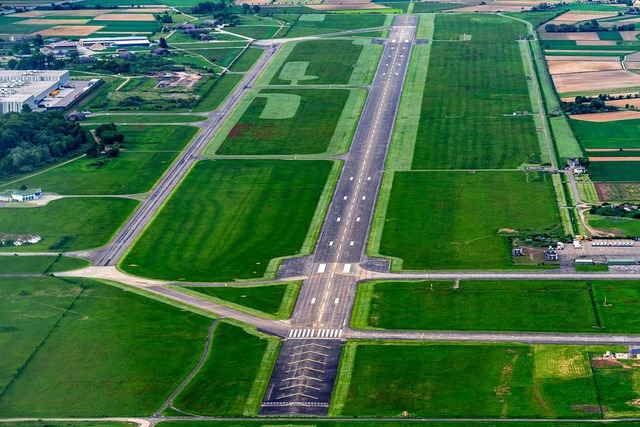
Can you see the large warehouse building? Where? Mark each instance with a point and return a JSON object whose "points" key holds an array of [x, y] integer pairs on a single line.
{"points": [[18, 88]]}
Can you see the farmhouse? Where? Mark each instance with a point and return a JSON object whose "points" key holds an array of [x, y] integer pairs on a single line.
{"points": [[18, 88], [114, 41], [21, 195]]}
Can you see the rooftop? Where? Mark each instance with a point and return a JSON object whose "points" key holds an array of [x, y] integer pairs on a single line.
{"points": [[19, 86]]}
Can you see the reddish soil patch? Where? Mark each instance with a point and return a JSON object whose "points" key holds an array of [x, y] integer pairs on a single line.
{"points": [[607, 117]]}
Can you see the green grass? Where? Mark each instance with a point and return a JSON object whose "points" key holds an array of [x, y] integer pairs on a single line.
{"points": [[265, 31], [450, 380], [39, 264], [616, 134], [472, 88], [225, 384], [334, 23], [329, 62], [525, 306], [535, 18], [81, 357], [451, 219], [68, 224], [596, 268], [246, 61], [142, 118], [308, 131], [139, 165], [623, 227], [610, 35], [213, 94], [618, 387], [377, 423], [220, 56], [277, 300], [130, 27], [614, 171], [233, 228]]}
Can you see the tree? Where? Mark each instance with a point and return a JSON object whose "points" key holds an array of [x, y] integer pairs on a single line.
{"points": [[256, 8], [26, 108], [37, 40], [245, 8], [163, 43], [12, 64]]}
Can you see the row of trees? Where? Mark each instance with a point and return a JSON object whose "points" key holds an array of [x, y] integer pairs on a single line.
{"points": [[29, 141], [625, 210], [586, 27], [594, 105], [222, 11], [110, 141]]}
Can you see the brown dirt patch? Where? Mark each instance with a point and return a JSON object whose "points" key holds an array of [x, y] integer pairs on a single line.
{"points": [[614, 159], [563, 67], [125, 17], [70, 30], [617, 191], [623, 102], [609, 150], [346, 6], [583, 36], [494, 7], [600, 81], [581, 58], [629, 35], [45, 21], [605, 363], [596, 42], [580, 52], [57, 13], [587, 409], [573, 17], [607, 117]]}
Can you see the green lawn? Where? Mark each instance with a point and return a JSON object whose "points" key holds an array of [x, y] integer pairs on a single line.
{"points": [[623, 227], [214, 92], [617, 386], [536, 18], [75, 354], [229, 383], [305, 127], [143, 118], [376, 423], [226, 220], [319, 62], [246, 61], [450, 220], [457, 380], [276, 300], [472, 88], [617, 134], [39, 264], [526, 306], [333, 23], [68, 224], [614, 171]]}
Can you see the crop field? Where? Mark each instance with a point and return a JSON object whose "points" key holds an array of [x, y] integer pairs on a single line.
{"points": [[76, 357], [526, 306], [226, 220], [618, 134], [39, 264], [458, 380], [275, 300], [147, 153], [615, 171], [68, 224], [334, 23], [452, 219], [466, 119], [228, 383], [319, 62], [287, 122]]}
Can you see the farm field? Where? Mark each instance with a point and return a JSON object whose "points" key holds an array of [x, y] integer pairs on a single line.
{"points": [[618, 134], [473, 380], [525, 306], [366, 423], [275, 300], [234, 376], [319, 62], [451, 220], [234, 228], [77, 359], [333, 23], [466, 119], [39, 264], [287, 122], [624, 171], [618, 191], [96, 220], [147, 153]]}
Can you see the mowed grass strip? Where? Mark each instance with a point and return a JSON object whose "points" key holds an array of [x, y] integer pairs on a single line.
{"points": [[329, 62], [545, 306], [229, 218], [224, 385], [472, 89], [616, 134], [451, 219], [39, 264], [333, 23], [308, 131], [143, 118], [94, 361], [67, 224], [276, 300]]}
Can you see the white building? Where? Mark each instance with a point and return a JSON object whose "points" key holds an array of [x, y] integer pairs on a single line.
{"points": [[21, 195], [29, 87], [115, 41]]}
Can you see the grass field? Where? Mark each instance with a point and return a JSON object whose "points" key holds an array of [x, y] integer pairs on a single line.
{"points": [[228, 383], [623, 227], [275, 300], [39, 264], [618, 134], [319, 62], [614, 171], [246, 61], [451, 219], [147, 153], [536, 18], [617, 385], [473, 87], [235, 227], [370, 423], [526, 306], [456, 380], [142, 118], [68, 224], [213, 94], [305, 127], [333, 23], [77, 357]]}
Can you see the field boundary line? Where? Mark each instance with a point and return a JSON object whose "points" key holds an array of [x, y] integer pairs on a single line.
{"points": [[263, 376], [347, 122], [345, 370], [289, 299], [366, 65]]}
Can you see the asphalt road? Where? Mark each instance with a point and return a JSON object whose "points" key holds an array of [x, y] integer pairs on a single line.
{"points": [[126, 236]]}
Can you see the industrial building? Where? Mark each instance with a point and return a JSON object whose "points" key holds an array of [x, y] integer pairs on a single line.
{"points": [[21, 195], [96, 43], [19, 88]]}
